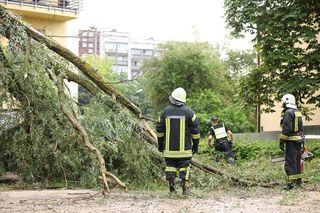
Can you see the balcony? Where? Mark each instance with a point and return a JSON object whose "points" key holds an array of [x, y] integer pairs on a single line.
{"points": [[63, 10]]}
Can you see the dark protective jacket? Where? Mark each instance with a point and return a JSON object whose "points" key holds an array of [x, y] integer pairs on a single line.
{"points": [[219, 132], [292, 126], [177, 131]]}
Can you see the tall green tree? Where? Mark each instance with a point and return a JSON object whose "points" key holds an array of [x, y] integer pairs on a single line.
{"points": [[239, 62], [286, 38], [197, 68], [193, 66]]}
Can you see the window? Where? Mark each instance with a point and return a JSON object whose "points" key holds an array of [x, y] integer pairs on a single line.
{"points": [[136, 52], [136, 63], [90, 34], [84, 39], [85, 34], [112, 58], [90, 45], [90, 50], [122, 47], [84, 44], [109, 46], [120, 69], [147, 52], [121, 58]]}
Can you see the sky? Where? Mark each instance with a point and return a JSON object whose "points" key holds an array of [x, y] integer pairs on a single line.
{"points": [[179, 20]]}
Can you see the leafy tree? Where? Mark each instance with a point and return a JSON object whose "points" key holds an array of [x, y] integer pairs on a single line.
{"points": [[196, 67], [286, 38], [239, 62], [193, 66]]}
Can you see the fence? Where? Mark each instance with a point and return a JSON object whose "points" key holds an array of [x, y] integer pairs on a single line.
{"points": [[272, 135]]}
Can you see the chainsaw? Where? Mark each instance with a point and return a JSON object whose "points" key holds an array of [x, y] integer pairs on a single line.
{"points": [[306, 154]]}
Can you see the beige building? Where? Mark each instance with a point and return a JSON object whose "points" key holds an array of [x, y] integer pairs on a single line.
{"points": [[49, 17], [271, 121]]}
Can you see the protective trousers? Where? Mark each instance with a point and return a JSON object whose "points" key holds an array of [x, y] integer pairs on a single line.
{"points": [[178, 166], [292, 164], [224, 146]]}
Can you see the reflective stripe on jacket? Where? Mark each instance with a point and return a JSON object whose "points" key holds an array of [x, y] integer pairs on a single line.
{"points": [[292, 126], [178, 125]]}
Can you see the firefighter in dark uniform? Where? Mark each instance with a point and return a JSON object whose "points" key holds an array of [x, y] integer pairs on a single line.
{"points": [[178, 138], [222, 139], [291, 140]]}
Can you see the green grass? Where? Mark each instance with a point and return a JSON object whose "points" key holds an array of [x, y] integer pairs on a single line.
{"points": [[253, 164]]}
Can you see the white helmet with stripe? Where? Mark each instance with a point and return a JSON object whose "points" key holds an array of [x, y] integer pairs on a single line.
{"points": [[289, 101]]}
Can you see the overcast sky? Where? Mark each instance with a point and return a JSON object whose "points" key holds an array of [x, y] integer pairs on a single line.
{"points": [[187, 20]]}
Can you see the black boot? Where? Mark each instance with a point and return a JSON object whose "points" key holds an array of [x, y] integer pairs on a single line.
{"points": [[185, 187], [288, 186], [299, 182], [172, 188]]}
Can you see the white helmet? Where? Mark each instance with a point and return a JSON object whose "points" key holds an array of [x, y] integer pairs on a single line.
{"points": [[289, 101], [179, 94]]}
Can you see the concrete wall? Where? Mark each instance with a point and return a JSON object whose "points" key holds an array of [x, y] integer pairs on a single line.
{"points": [[273, 135]]}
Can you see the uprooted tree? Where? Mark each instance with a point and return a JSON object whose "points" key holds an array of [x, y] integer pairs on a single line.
{"points": [[46, 139]]}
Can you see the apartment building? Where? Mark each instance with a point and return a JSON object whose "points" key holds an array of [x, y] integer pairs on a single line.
{"points": [[142, 50], [89, 42], [127, 54]]}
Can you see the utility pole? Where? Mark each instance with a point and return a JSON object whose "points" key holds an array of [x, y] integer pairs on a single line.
{"points": [[258, 126]]}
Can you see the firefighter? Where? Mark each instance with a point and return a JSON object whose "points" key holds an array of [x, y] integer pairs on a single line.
{"points": [[178, 138], [291, 140], [223, 139]]}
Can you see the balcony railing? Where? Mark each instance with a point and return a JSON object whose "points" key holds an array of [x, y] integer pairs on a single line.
{"points": [[70, 5]]}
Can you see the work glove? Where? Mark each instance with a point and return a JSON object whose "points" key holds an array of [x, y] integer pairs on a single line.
{"points": [[281, 144], [195, 147]]}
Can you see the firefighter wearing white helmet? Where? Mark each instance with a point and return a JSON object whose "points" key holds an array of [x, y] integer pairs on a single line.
{"points": [[178, 138], [291, 140], [289, 101], [178, 95]]}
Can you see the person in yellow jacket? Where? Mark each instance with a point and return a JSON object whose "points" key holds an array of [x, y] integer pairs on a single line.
{"points": [[223, 139], [178, 138]]}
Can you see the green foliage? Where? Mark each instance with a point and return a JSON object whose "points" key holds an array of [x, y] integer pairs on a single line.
{"points": [[239, 63], [209, 103], [199, 70], [286, 39], [42, 146], [125, 152], [193, 66], [253, 164]]}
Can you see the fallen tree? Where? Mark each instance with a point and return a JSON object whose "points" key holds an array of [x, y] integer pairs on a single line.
{"points": [[94, 84]]}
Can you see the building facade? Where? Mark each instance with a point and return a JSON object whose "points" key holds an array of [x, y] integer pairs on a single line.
{"points": [[89, 42], [128, 55]]}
